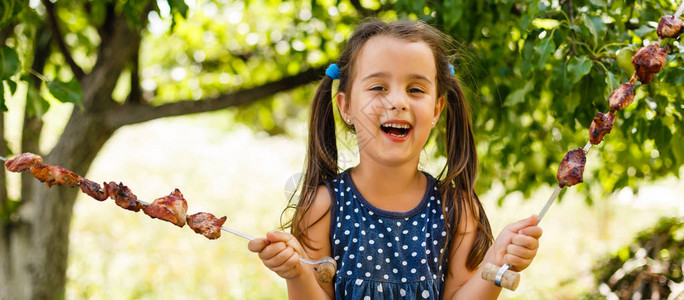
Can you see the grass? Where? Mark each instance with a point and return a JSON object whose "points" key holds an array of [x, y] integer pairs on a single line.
{"points": [[228, 170]]}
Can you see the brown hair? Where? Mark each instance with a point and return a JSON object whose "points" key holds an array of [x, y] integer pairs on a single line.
{"points": [[457, 178]]}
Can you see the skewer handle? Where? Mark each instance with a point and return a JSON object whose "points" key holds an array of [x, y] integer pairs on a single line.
{"points": [[501, 276]]}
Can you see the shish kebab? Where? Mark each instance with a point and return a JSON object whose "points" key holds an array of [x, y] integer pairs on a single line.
{"points": [[171, 208], [647, 62]]}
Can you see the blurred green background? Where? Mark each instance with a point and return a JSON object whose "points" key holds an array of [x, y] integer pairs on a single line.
{"points": [[210, 96]]}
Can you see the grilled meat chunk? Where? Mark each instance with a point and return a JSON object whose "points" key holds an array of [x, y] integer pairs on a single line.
{"points": [[93, 189], [601, 126], [571, 168], [55, 175], [206, 224], [123, 196], [171, 208], [669, 27], [23, 162], [648, 61]]}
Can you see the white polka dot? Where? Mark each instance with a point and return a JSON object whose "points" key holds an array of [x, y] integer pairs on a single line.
{"points": [[403, 280], [341, 208], [377, 267], [349, 273], [423, 261], [339, 225], [381, 235], [443, 233], [402, 292], [369, 257], [385, 276], [380, 221], [432, 198], [379, 250], [398, 223], [356, 225], [434, 211], [372, 226], [425, 294], [341, 180], [434, 276], [387, 260], [413, 271], [422, 278], [404, 247], [351, 256], [347, 217], [405, 232], [415, 223], [435, 242], [337, 257], [363, 232], [422, 216], [336, 190], [356, 210], [414, 254], [371, 242], [433, 225], [415, 238], [367, 298], [348, 203], [341, 193], [370, 213], [363, 219], [389, 244], [337, 242], [359, 282], [368, 274], [396, 254], [354, 240], [427, 235], [359, 265], [361, 248], [390, 230], [403, 263], [380, 288], [435, 259], [423, 244], [347, 232], [395, 271], [348, 188], [427, 251]]}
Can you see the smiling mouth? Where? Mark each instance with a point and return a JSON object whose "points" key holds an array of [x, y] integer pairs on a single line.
{"points": [[396, 130]]}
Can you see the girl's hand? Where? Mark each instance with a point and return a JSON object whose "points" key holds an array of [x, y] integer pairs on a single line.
{"points": [[517, 244], [280, 252]]}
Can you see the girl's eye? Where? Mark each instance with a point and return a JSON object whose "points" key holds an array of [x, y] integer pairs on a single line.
{"points": [[415, 90], [377, 88]]}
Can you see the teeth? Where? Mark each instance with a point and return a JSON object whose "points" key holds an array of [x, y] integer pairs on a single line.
{"points": [[394, 125]]}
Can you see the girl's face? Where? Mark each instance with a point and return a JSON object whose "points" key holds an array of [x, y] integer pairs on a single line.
{"points": [[393, 102]]}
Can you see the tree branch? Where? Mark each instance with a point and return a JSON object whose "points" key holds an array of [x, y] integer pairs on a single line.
{"points": [[52, 20], [132, 113]]}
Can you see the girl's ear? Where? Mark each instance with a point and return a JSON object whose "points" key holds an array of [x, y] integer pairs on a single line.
{"points": [[439, 106], [343, 104]]}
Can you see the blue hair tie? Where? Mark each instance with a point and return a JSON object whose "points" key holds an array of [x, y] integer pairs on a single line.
{"points": [[333, 71], [451, 69]]}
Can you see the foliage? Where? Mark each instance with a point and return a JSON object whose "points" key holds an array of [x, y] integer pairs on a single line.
{"points": [[651, 266]]}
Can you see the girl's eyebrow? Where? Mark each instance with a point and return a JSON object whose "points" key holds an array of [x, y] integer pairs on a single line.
{"points": [[385, 74]]}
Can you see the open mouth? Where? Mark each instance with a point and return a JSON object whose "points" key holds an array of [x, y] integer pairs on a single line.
{"points": [[396, 129]]}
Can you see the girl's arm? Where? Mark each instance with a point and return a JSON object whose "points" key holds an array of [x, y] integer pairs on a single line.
{"points": [[280, 252], [517, 245]]}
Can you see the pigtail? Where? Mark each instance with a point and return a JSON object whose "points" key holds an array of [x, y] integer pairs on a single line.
{"points": [[321, 159], [458, 176]]}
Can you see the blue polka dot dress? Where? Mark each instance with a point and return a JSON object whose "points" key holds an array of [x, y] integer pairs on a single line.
{"points": [[383, 254]]}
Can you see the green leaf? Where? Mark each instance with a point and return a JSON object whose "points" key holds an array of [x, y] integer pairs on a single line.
{"points": [[519, 95], [545, 48], [2, 98], [643, 30], [36, 105], [578, 67], [67, 91], [179, 6], [595, 26], [9, 62], [12, 85], [545, 23]]}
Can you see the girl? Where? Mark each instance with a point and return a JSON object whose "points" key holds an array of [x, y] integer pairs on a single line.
{"points": [[394, 231]]}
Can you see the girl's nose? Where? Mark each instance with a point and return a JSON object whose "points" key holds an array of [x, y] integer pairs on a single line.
{"points": [[398, 102]]}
